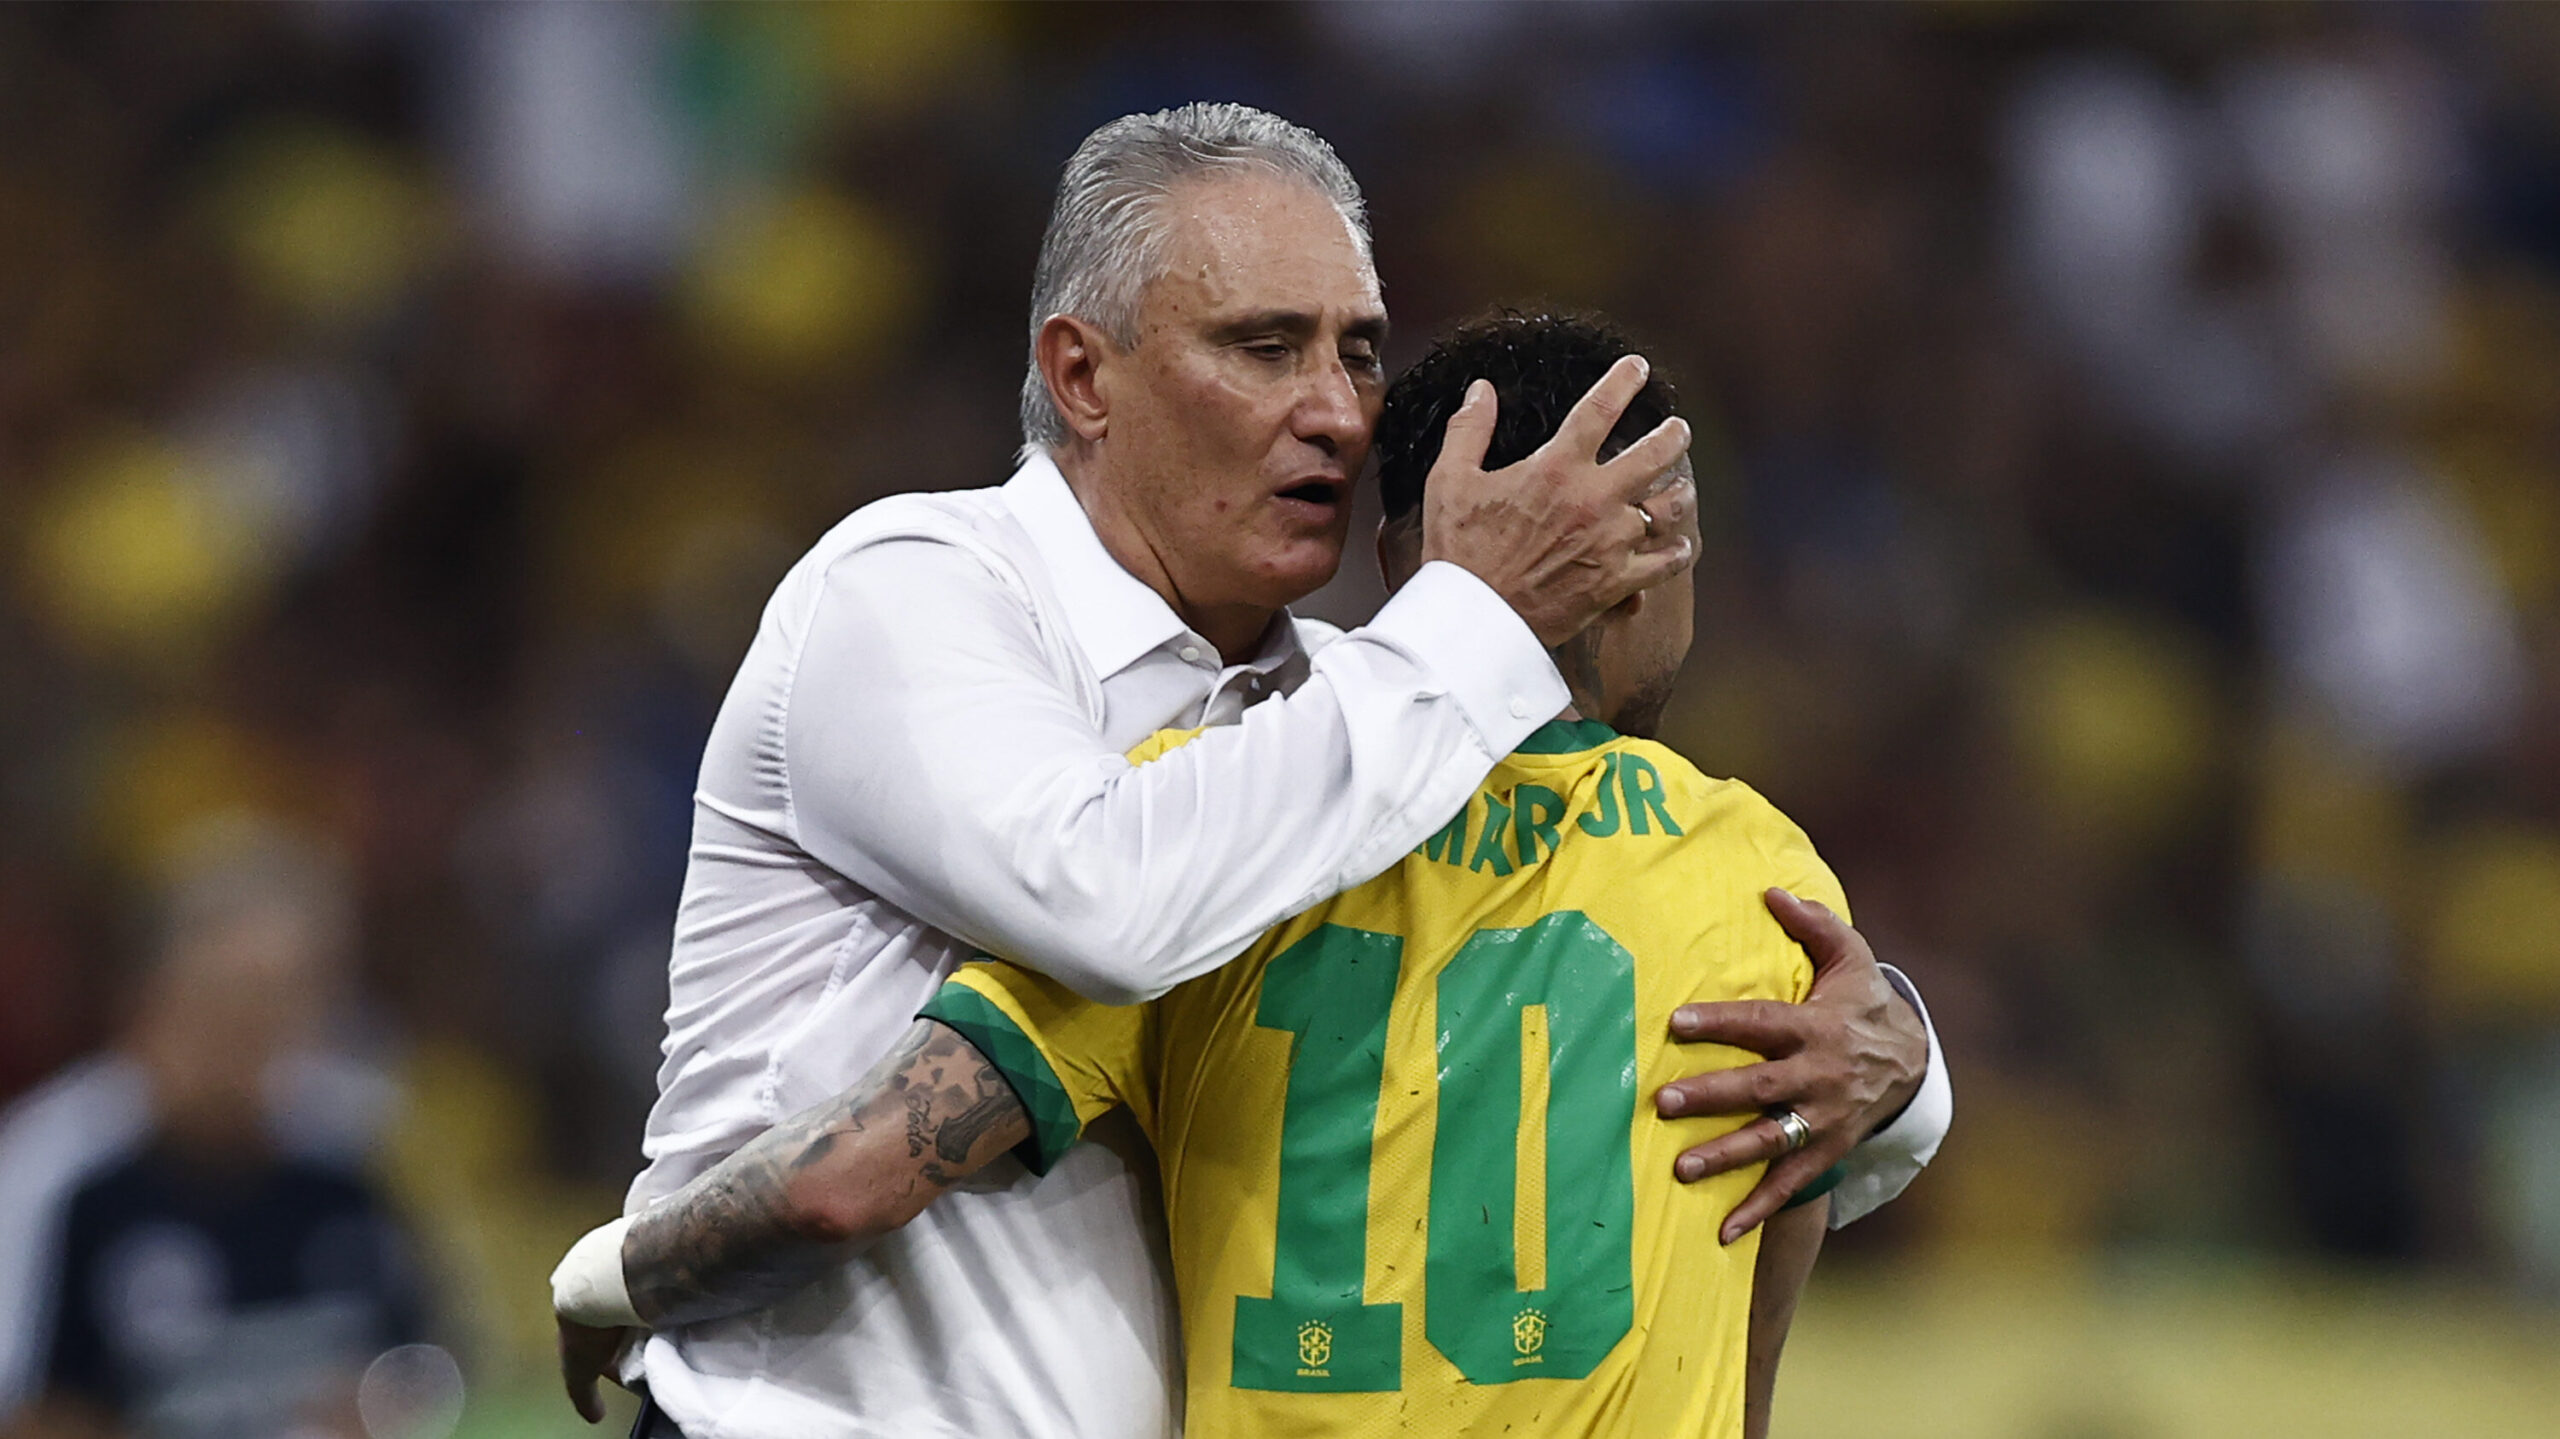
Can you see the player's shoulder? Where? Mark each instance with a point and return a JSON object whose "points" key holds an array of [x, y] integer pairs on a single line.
{"points": [[1729, 798], [1740, 835], [1728, 807]]}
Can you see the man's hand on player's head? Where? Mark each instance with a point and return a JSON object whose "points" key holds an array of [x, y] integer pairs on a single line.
{"points": [[1847, 1060], [1561, 535]]}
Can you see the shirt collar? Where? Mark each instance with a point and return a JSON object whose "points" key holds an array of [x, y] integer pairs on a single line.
{"points": [[1563, 736], [1279, 645], [1116, 618]]}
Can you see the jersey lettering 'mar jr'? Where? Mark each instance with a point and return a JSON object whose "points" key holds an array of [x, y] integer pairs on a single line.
{"points": [[1413, 1180]]}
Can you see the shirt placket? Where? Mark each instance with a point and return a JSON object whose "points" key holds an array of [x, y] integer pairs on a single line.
{"points": [[1230, 691], [1235, 691]]}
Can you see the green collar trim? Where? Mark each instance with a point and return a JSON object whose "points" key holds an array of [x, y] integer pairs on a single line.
{"points": [[1566, 737]]}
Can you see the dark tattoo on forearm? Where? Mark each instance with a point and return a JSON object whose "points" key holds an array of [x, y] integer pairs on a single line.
{"points": [[746, 1233], [952, 1136]]}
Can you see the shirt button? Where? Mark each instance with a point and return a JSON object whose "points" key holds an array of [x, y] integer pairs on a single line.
{"points": [[1519, 708], [1190, 654]]}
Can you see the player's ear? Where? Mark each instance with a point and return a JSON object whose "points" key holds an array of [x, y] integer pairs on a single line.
{"points": [[1399, 550], [1072, 355]]}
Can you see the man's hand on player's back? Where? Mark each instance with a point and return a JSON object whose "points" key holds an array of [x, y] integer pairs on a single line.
{"points": [[1562, 536], [1847, 1060]]}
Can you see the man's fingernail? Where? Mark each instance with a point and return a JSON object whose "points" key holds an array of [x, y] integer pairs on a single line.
{"points": [[1683, 1020], [1731, 1233], [1689, 1167], [1644, 367], [1670, 1101]]}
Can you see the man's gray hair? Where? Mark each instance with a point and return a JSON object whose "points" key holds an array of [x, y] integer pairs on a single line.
{"points": [[1107, 235]]}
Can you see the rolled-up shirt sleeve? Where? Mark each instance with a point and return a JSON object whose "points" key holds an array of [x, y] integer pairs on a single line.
{"points": [[1878, 1170], [934, 750]]}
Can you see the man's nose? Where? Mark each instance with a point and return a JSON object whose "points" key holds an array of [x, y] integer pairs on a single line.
{"points": [[1329, 409]]}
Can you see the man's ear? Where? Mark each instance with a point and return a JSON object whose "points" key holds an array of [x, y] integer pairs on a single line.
{"points": [[1072, 355]]}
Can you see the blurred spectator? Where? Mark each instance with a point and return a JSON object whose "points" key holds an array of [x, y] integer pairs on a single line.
{"points": [[193, 1252]]}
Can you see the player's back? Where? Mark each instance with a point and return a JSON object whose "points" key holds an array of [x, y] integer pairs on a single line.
{"points": [[1412, 1174]]}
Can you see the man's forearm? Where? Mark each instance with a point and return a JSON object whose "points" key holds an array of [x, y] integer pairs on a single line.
{"points": [[1899, 1095], [1121, 882], [1895, 1152], [806, 1195]]}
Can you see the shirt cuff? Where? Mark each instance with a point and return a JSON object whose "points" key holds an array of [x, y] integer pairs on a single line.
{"points": [[1479, 648], [1889, 1159]]}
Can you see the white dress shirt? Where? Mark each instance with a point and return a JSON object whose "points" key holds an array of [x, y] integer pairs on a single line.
{"points": [[920, 758]]}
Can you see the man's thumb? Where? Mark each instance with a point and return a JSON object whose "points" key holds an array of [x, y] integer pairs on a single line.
{"points": [[1809, 922], [1470, 429]]}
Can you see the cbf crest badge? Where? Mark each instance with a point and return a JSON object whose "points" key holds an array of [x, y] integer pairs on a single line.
{"points": [[1528, 1336], [1315, 1348]]}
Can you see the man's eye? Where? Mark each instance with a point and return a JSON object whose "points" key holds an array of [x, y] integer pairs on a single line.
{"points": [[1361, 359], [1268, 349]]}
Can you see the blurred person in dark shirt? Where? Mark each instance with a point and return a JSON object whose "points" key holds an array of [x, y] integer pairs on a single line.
{"points": [[215, 1275]]}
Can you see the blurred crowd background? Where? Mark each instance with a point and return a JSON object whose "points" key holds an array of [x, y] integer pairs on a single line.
{"points": [[2130, 443]]}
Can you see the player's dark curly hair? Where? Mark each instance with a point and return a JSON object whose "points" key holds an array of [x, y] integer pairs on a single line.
{"points": [[1539, 364]]}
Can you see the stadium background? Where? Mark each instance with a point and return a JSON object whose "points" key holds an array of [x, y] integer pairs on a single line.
{"points": [[2130, 440]]}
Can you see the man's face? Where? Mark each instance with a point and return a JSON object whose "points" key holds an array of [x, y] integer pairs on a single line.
{"points": [[1240, 420], [230, 996]]}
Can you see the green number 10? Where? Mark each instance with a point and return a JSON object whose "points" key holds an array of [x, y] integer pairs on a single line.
{"points": [[1514, 1290]]}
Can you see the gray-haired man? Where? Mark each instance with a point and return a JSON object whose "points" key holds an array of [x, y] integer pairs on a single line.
{"points": [[921, 757]]}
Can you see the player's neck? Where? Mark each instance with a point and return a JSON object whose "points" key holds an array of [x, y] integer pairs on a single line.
{"points": [[1586, 684]]}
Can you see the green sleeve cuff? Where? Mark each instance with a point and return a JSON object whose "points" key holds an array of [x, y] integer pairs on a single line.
{"points": [[1822, 1184], [1054, 1125]]}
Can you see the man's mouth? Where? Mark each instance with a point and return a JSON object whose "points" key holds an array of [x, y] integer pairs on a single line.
{"points": [[1316, 499]]}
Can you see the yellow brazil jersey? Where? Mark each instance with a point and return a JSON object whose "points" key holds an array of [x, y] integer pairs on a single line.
{"points": [[1413, 1173]]}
